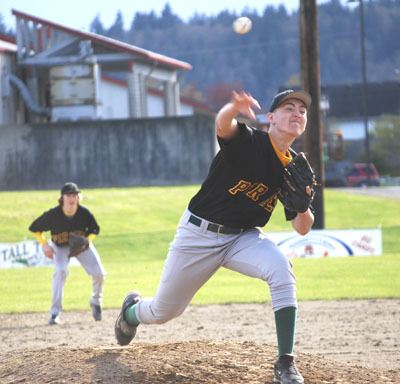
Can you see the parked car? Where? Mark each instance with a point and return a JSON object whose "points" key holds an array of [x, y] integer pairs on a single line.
{"points": [[363, 175], [346, 174]]}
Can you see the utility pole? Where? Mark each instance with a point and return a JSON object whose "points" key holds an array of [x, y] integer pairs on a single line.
{"points": [[310, 80], [364, 85]]}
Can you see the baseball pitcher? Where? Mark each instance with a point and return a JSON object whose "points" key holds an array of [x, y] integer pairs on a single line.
{"points": [[220, 227]]}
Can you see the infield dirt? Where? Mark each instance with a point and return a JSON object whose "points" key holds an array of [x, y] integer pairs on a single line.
{"points": [[337, 342]]}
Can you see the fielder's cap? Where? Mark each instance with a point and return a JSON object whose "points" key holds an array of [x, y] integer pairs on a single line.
{"points": [[280, 97], [69, 188]]}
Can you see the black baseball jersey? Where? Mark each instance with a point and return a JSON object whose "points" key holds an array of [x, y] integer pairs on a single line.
{"points": [[241, 188], [60, 225]]}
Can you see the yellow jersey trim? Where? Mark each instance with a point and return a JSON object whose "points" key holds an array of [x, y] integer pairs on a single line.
{"points": [[285, 158], [40, 237]]}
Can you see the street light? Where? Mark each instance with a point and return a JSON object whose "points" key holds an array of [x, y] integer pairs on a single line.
{"points": [[364, 83]]}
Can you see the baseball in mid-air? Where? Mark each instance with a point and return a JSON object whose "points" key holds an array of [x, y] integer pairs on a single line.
{"points": [[242, 25]]}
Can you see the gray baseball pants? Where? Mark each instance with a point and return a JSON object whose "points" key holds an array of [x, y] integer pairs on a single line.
{"points": [[90, 261], [197, 253]]}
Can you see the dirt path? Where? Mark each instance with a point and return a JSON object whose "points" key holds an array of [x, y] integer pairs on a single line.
{"points": [[337, 342]]}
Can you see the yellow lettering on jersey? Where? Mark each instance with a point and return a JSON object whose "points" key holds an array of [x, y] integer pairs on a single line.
{"points": [[269, 204], [258, 190], [241, 186]]}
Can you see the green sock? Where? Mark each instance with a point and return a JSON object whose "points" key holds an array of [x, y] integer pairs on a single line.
{"points": [[130, 316], [285, 321]]}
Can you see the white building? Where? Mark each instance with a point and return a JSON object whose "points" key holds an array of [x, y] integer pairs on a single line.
{"points": [[62, 73], [11, 110]]}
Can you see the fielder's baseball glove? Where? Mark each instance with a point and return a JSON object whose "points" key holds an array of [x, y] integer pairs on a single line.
{"points": [[297, 191], [77, 244]]}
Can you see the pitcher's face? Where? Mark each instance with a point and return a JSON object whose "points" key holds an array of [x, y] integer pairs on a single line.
{"points": [[290, 118]]}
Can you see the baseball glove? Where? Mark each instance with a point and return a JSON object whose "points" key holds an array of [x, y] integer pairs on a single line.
{"points": [[297, 191], [77, 244]]}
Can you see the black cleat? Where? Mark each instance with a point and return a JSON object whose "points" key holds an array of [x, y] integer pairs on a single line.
{"points": [[285, 371], [124, 333], [96, 311]]}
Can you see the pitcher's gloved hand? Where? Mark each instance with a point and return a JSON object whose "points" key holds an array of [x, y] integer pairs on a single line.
{"points": [[297, 191]]}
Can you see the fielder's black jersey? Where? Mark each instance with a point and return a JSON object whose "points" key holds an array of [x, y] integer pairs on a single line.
{"points": [[60, 225], [244, 179]]}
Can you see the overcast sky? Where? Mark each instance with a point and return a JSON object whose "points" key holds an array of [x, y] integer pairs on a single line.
{"points": [[80, 13]]}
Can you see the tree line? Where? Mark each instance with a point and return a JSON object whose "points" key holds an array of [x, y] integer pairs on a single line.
{"points": [[268, 57]]}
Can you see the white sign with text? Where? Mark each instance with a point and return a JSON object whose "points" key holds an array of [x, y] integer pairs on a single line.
{"points": [[329, 243], [26, 253]]}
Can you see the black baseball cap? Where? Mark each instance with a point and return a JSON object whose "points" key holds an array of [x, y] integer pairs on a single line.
{"points": [[280, 97], [69, 188]]}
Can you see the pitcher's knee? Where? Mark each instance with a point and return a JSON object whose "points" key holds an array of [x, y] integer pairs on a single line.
{"points": [[281, 273]]}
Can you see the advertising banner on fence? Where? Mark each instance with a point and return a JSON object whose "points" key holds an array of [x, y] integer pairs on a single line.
{"points": [[329, 243], [27, 253], [317, 243]]}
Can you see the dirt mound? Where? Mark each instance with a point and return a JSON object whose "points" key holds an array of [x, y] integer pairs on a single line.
{"points": [[337, 342], [185, 362]]}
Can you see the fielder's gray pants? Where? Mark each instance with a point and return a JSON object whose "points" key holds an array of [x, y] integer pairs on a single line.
{"points": [[197, 253], [90, 261]]}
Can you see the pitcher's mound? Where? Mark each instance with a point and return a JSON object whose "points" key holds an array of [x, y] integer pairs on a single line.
{"points": [[185, 362]]}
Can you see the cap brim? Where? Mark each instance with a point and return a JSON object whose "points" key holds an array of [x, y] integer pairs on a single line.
{"points": [[299, 95]]}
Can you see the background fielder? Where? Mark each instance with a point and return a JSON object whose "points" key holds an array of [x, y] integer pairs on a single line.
{"points": [[220, 226], [66, 218]]}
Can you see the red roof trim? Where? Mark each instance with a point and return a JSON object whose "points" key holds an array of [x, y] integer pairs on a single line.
{"points": [[118, 45], [8, 38], [113, 80]]}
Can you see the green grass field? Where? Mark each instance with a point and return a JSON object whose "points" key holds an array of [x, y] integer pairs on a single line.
{"points": [[137, 225]]}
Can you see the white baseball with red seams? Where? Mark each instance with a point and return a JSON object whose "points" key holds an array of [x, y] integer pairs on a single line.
{"points": [[242, 25]]}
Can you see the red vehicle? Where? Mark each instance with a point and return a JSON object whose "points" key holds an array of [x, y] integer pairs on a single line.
{"points": [[360, 175], [347, 174]]}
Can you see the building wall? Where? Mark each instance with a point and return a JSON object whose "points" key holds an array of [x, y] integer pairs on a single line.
{"points": [[114, 100], [11, 110], [186, 110], [4, 93], [155, 106], [166, 151]]}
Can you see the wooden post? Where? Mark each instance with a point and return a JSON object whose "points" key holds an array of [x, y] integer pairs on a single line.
{"points": [[310, 79]]}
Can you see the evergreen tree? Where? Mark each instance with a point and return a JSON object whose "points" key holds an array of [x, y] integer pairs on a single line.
{"points": [[97, 26], [168, 19], [3, 27], [117, 31], [143, 21]]}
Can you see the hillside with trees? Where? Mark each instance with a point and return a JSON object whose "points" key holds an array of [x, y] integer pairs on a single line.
{"points": [[268, 57]]}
